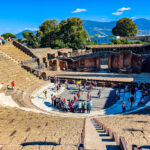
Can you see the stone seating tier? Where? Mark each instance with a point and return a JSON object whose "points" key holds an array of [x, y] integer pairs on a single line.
{"points": [[11, 71], [14, 52]]}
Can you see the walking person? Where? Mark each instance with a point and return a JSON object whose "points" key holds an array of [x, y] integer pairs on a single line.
{"points": [[99, 93]]}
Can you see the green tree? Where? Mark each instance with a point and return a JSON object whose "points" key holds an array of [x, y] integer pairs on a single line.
{"points": [[7, 35], [49, 31], [73, 34], [26, 35], [125, 27], [32, 41]]}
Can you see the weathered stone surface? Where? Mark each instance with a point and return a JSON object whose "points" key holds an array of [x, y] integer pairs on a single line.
{"points": [[137, 63]]}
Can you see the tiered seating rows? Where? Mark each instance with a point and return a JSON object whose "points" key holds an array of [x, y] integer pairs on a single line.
{"points": [[25, 127], [14, 52]]}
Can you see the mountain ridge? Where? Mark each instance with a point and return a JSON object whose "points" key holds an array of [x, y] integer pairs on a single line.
{"points": [[105, 28]]}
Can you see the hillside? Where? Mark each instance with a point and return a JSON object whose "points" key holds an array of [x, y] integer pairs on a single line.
{"points": [[20, 34], [105, 28]]}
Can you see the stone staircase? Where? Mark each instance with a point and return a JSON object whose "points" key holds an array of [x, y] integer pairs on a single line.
{"points": [[96, 138]]}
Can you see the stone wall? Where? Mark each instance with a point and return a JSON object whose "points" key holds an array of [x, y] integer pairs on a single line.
{"points": [[126, 62], [87, 64], [24, 49]]}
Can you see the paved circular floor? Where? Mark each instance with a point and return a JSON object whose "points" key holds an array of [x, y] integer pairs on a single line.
{"points": [[106, 100]]}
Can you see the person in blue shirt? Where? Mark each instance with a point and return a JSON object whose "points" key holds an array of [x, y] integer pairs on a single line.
{"points": [[88, 106]]}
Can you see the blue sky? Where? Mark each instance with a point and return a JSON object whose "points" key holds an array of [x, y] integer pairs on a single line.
{"points": [[17, 15]]}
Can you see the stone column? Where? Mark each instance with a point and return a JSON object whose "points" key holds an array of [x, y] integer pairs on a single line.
{"points": [[98, 67], [120, 61], [109, 62]]}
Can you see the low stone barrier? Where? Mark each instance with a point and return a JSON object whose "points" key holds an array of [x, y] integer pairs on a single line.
{"points": [[24, 49], [113, 84], [121, 142]]}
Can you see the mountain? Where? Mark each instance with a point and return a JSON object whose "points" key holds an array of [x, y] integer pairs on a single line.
{"points": [[105, 28], [101, 28], [20, 34]]}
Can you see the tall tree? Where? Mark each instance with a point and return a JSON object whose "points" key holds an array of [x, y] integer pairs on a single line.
{"points": [[125, 27], [73, 33], [7, 35], [50, 33], [31, 40]]}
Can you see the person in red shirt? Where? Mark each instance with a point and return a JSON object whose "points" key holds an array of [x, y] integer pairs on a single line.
{"points": [[57, 87], [91, 86], [78, 94], [75, 99], [12, 84], [88, 96]]}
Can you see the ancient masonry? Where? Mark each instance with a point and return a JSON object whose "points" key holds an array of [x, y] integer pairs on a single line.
{"points": [[128, 58]]}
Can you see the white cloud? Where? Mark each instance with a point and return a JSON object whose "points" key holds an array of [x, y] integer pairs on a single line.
{"points": [[124, 9], [32, 29], [117, 13], [133, 18], [79, 10]]}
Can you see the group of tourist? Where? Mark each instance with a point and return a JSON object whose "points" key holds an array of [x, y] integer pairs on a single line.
{"points": [[74, 105], [133, 89]]}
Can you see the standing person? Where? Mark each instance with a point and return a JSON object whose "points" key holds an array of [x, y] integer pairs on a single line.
{"points": [[75, 99], [3, 41], [13, 85], [88, 106], [52, 99], [83, 107], [99, 93], [57, 87], [78, 95], [88, 96], [131, 101], [91, 86], [123, 107], [45, 93], [117, 94], [79, 107]]}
